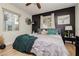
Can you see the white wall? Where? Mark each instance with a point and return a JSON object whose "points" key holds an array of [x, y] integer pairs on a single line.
{"points": [[10, 36], [77, 19]]}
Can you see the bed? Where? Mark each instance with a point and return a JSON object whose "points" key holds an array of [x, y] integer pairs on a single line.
{"points": [[43, 45], [49, 45]]}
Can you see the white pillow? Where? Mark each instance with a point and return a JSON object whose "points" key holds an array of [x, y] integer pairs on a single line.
{"points": [[43, 32]]}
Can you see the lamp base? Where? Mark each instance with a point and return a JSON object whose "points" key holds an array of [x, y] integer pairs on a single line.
{"points": [[68, 33]]}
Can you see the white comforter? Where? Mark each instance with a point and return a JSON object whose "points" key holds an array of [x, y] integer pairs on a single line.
{"points": [[49, 45]]}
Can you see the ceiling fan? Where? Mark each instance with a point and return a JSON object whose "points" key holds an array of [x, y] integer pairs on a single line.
{"points": [[38, 5]]}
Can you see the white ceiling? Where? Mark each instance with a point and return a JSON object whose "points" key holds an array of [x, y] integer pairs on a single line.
{"points": [[45, 7]]}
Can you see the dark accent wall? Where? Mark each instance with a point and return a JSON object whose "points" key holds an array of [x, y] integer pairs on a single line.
{"points": [[70, 10]]}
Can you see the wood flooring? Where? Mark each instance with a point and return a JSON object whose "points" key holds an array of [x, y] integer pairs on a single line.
{"points": [[9, 51], [71, 49]]}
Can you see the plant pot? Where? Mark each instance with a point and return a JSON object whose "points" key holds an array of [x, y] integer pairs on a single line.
{"points": [[2, 46]]}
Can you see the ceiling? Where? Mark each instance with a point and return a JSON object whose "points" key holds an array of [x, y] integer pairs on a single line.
{"points": [[45, 7]]}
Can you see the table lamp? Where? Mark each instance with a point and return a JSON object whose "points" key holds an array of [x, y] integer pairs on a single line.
{"points": [[68, 28]]}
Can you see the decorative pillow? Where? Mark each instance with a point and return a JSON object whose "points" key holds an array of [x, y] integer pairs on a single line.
{"points": [[44, 32], [52, 31]]}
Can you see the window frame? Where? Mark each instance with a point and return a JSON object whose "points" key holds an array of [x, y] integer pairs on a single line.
{"points": [[12, 12]]}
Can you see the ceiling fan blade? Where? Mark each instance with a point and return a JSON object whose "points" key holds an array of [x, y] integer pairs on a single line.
{"points": [[27, 4], [38, 5]]}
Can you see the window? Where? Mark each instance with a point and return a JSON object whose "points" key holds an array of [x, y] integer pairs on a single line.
{"points": [[11, 20]]}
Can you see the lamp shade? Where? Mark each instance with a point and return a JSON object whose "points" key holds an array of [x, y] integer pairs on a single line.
{"points": [[68, 27]]}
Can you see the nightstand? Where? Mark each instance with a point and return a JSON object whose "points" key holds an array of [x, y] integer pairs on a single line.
{"points": [[77, 45], [72, 39]]}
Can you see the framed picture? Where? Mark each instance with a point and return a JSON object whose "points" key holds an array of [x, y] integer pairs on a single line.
{"points": [[47, 21], [64, 19]]}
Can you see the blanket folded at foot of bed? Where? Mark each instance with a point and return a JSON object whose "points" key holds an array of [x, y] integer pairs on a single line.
{"points": [[24, 43]]}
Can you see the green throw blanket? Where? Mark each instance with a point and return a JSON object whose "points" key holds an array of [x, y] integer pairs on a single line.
{"points": [[24, 43]]}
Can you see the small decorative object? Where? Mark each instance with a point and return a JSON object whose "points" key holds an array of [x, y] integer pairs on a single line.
{"points": [[29, 21], [71, 35], [64, 19], [65, 34], [68, 28]]}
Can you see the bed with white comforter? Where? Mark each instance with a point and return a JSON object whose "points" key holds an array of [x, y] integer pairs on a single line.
{"points": [[49, 45]]}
